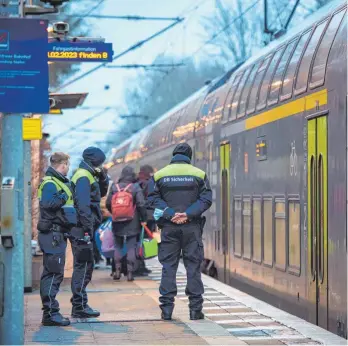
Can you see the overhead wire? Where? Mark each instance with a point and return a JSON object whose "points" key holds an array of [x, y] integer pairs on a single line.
{"points": [[212, 38], [117, 56]]}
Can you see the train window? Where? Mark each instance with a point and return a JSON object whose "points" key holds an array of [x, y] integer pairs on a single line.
{"points": [[267, 79], [255, 88], [294, 235], [278, 76], [305, 64], [247, 228], [235, 103], [257, 229], [320, 61], [292, 67], [268, 231], [246, 90], [237, 226], [227, 107], [280, 234]]}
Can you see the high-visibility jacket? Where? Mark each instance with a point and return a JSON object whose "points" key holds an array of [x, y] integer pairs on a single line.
{"points": [[88, 191], [56, 200]]}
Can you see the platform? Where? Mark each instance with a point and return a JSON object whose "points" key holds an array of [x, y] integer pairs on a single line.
{"points": [[131, 316]]}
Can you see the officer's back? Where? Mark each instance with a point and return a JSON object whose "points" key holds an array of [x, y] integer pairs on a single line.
{"points": [[180, 193]]}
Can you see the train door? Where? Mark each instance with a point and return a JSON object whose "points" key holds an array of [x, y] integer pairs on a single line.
{"points": [[317, 220], [225, 205]]}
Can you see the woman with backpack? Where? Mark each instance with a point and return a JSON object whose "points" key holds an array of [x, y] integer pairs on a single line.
{"points": [[126, 204]]}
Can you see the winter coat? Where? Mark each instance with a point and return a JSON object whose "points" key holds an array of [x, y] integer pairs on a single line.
{"points": [[133, 227], [52, 200], [88, 196], [180, 188]]}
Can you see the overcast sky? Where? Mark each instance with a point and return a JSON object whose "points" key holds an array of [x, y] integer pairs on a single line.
{"points": [[181, 40]]}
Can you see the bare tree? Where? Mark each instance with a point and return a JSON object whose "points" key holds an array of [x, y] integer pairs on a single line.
{"points": [[231, 30], [152, 93]]}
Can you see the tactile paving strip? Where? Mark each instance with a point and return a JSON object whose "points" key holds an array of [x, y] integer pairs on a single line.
{"points": [[240, 320]]}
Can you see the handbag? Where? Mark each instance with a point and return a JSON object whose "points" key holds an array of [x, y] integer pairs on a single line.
{"points": [[147, 248], [107, 240]]}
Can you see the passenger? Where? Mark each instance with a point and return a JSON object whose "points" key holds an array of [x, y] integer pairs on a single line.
{"points": [[90, 184], [180, 193], [57, 216], [126, 228], [145, 174]]}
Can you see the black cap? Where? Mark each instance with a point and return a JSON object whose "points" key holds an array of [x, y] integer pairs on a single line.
{"points": [[183, 149], [94, 156]]}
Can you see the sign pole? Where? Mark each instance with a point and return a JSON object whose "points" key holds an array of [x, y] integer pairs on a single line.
{"points": [[12, 319], [27, 218]]}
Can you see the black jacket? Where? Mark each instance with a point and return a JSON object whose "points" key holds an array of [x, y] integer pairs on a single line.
{"points": [[133, 227], [53, 200], [180, 187], [87, 199]]}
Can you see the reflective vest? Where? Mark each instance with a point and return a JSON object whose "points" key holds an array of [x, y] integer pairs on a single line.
{"points": [[81, 173], [59, 186]]}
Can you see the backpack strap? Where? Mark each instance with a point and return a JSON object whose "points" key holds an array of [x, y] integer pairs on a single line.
{"points": [[118, 188], [126, 188]]}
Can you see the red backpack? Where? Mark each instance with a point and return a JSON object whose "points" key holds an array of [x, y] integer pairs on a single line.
{"points": [[122, 206]]}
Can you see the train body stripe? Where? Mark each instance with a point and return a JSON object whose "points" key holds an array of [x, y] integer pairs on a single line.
{"points": [[291, 108], [177, 169]]}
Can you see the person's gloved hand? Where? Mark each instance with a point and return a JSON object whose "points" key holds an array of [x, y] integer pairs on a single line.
{"points": [[168, 213], [101, 172]]}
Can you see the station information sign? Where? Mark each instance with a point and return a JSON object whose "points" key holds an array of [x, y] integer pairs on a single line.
{"points": [[80, 51], [23, 66]]}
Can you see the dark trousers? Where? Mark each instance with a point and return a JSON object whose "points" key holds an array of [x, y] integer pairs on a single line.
{"points": [[130, 243], [53, 246], [96, 253], [83, 269], [174, 240]]}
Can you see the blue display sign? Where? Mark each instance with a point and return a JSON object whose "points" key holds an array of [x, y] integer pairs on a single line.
{"points": [[23, 66], [80, 51]]}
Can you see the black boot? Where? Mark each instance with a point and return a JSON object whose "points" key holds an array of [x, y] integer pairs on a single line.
{"points": [[55, 320], [196, 315], [130, 268], [86, 312], [130, 276], [147, 271], [166, 314], [117, 274]]}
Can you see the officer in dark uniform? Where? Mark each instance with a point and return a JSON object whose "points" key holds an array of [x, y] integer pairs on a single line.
{"points": [[182, 193], [57, 217], [90, 183]]}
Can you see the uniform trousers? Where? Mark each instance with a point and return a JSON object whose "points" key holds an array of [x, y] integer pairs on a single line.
{"points": [[175, 239], [83, 269], [53, 246]]}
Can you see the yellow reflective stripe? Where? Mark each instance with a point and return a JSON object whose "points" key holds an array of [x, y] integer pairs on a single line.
{"points": [[59, 185], [180, 170], [291, 108], [80, 173]]}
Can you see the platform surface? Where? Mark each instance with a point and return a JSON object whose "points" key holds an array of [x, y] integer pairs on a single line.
{"points": [[130, 316]]}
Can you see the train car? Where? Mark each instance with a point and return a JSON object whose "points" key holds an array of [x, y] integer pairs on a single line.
{"points": [[272, 138]]}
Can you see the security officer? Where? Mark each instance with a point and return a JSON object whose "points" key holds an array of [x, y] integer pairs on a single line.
{"points": [[57, 216], [90, 183], [182, 193]]}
